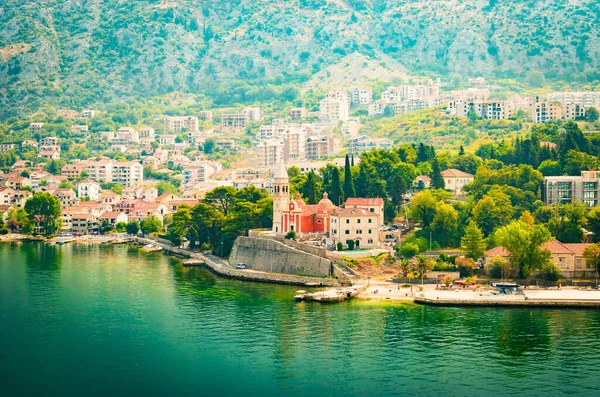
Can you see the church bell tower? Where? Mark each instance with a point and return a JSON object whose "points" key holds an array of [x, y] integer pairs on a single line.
{"points": [[281, 198]]}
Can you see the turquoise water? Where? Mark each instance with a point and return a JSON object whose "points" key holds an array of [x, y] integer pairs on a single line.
{"points": [[104, 321]]}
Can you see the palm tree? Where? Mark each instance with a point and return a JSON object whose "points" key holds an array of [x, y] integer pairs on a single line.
{"points": [[422, 264]]}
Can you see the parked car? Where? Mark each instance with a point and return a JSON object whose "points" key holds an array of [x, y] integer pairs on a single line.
{"points": [[241, 266]]}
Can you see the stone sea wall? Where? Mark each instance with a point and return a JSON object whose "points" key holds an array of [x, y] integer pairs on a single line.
{"points": [[273, 256]]}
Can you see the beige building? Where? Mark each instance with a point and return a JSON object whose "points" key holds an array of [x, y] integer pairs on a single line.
{"points": [[455, 180], [321, 146], [179, 123], [356, 224], [270, 152], [333, 109], [360, 96], [568, 257], [567, 189], [298, 113]]}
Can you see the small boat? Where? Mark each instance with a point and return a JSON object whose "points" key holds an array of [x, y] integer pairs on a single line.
{"points": [[61, 243]]}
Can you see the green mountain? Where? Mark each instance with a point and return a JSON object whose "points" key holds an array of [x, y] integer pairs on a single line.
{"points": [[81, 52]]}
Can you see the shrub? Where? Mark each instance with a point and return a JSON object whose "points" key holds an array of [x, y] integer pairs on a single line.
{"points": [[466, 266], [291, 235], [350, 244], [340, 246]]}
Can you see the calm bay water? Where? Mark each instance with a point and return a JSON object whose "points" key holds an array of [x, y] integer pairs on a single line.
{"points": [[91, 320]]}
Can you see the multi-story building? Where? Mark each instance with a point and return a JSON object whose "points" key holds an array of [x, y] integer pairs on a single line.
{"points": [[178, 124], [360, 96], [355, 224], [544, 111], [197, 174], [205, 115], [318, 147], [270, 152], [146, 133], [582, 98], [5, 147], [333, 109], [127, 173], [88, 189], [298, 113], [35, 127], [568, 189], [455, 180], [252, 114], [363, 143], [73, 170], [234, 121], [294, 144], [165, 140], [88, 113]]}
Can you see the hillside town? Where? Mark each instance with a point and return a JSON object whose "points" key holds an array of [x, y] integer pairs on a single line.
{"points": [[140, 176]]}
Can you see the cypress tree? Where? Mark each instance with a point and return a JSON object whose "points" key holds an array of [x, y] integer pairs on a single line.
{"points": [[348, 188], [353, 159], [461, 150], [336, 193], [437, 181], [310, 189]]}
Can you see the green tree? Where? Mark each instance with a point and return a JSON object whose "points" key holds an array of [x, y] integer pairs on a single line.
{"points": [[494, 210], [180, 225], [593, 222], [592, 114], [43, 209], [592, 257], [444, 225], [524, 244], [550, 168], [409, 250], [473, 242], [348, 187], [437, 180], [536, 79], [336, 192], [422, 265], [121, 227], [423, 207], [311, 188], [222, 198], [66, 184], [151, 224], [166, 187], [133, 227], [117, 189]]}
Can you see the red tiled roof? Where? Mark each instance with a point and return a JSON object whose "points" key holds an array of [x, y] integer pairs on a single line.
{"points": [[454, 173], [356, 201], [577, 248]]}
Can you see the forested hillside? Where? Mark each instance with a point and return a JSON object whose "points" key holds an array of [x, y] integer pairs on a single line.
{"points": [[81, 52]]}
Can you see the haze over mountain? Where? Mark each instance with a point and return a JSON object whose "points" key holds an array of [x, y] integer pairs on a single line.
{"points": [[81, 52]]}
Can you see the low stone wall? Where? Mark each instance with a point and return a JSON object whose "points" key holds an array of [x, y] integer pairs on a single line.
{"points": [[272, 256]]}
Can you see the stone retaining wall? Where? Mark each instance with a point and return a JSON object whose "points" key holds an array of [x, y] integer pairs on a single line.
{"points": [[242, 274], [272, 256]]}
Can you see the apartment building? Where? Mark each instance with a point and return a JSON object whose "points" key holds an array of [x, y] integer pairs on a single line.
{"points": [[35, 128], [127, 173], [298, 113], [270, 152], [358, 145], [544, 111], [88, 189], [568, 189], [581, 98], [146, 133], [252, 114], [234, 121], [5, 147], [318, 147], [165, 140], [294, 144], [205, 115], [177, 124], [351, 127], [197, 174], [333, 109], [360, 96]]}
